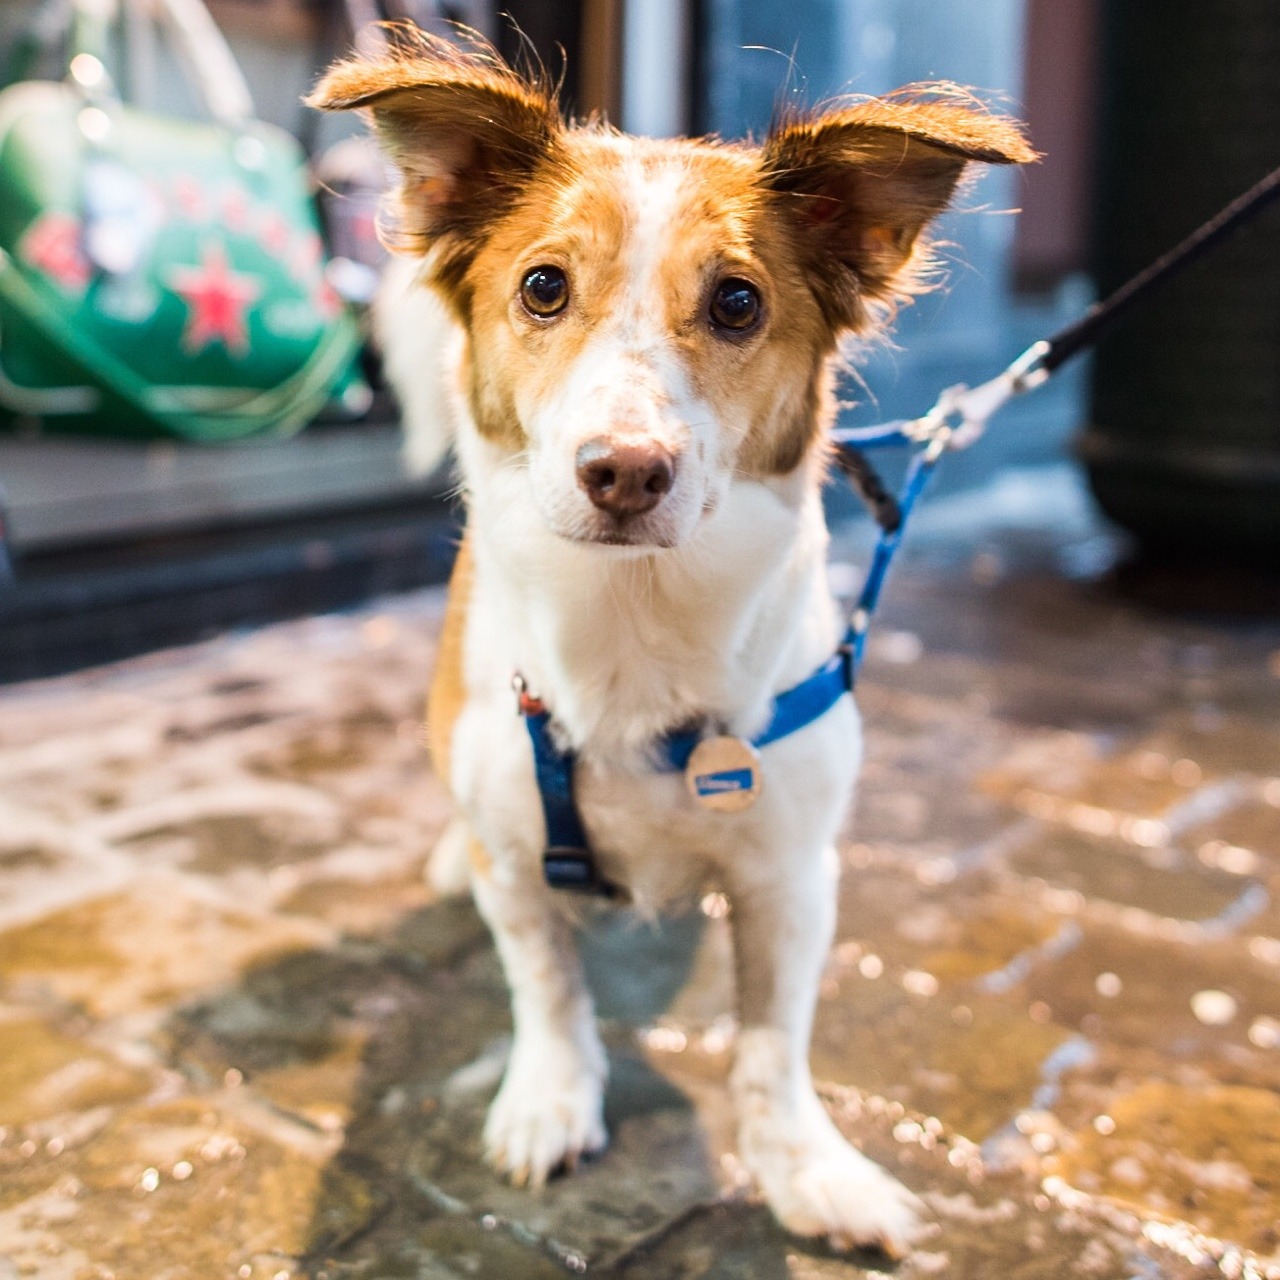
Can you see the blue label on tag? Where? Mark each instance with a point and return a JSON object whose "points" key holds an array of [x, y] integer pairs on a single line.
{"points": [[711, 784]]}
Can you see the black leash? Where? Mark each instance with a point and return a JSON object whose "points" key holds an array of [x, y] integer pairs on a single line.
{"points": [[1086, 331]]}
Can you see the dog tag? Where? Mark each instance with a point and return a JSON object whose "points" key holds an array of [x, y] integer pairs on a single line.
{"points": [[724, 774]]}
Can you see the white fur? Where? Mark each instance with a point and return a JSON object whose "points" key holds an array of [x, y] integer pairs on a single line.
{"points": [[420, 346], [623, 644]]}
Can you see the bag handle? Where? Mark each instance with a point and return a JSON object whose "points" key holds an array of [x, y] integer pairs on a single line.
{"points": [[194, 37]]}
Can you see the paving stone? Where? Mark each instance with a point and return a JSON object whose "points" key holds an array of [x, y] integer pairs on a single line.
{"points": [[656, 1167], [974, 1061], [360, 907], [1162, 883], [1130, 988], [190, 1188], [1244, 740], [140, 949], [46, 1073], [456, 1248], [1207, 1154], [1244, 841], [962, 928]]}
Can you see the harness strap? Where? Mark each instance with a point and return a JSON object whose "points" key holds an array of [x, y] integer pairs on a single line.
{"points": [[567, 862], [798, 706]]}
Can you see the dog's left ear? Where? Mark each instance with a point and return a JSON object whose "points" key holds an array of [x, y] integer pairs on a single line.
{"points": [[863, 181], [467, 132]]}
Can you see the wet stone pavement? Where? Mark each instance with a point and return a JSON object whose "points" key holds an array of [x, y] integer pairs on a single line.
{"points": [[240, 1038]]}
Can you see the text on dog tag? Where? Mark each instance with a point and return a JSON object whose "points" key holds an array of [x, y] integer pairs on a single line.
{"points": [[724, 774]]}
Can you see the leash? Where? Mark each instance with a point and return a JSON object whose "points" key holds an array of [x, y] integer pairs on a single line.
{"points": [[723, 772], [961, 413]]}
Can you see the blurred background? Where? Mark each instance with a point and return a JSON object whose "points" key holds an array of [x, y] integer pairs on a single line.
{"points": [[193, 433]]}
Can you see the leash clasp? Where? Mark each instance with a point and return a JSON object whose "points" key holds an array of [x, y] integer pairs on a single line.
{"points": [[961, 413]]}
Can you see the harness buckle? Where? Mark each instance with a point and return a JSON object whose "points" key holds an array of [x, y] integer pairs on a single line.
{"points": [[575, 870], [848, 664]]}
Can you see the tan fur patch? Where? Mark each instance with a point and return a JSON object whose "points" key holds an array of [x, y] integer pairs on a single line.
{"points": [[448, 689]]}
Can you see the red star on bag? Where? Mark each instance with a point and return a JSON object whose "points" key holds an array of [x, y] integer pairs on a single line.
{"points": [[52, 245], [219, 300]]}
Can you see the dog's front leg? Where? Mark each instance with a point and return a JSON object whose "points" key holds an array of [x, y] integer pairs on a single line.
{"points": [[550, 1107], [813, 1179]]}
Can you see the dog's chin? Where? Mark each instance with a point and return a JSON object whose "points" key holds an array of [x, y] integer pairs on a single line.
{"points": [[637, 536], [620, 541]]}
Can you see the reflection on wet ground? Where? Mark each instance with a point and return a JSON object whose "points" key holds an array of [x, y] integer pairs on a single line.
{"points": [[238, 1036]]}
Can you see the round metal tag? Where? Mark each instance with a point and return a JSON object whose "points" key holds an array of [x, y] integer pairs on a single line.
{"points": [[724, 774]]}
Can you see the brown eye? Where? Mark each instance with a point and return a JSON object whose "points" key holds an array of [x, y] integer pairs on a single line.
{"points": [[545, 292], [735, 305]]}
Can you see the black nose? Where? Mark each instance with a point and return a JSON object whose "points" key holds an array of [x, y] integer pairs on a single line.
{"points": [[625, 478]]}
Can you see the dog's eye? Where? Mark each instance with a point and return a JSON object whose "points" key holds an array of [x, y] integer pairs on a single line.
{"points": [[545, 292], [735, 305]]}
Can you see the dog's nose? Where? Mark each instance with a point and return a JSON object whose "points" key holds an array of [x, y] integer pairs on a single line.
{"points": [[625, 479]]}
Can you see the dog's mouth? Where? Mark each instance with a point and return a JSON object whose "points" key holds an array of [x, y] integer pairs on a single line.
{"points": [[634, 539], [640, 533]]}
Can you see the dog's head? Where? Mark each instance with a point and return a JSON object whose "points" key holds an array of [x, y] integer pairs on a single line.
{"points": [[647, 320]]}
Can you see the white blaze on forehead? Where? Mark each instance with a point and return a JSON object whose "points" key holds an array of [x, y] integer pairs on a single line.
{"points": [[630, 378], [653, 193]]}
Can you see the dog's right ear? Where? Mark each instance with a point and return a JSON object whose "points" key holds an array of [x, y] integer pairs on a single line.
{"points": [[466, 132]]}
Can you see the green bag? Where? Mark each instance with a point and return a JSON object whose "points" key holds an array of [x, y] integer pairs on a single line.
{"points": [[158, 275]]}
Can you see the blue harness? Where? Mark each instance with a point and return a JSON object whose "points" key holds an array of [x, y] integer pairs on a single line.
{"points": [[567, 862]]}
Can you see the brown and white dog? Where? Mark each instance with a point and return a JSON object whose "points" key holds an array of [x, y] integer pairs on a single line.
{"points": [[632, 344]]}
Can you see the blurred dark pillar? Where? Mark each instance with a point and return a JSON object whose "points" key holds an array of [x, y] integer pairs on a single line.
{"points": [[1184, 447], [581, 37]]}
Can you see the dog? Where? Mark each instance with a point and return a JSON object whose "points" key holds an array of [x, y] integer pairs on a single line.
{"points": [[632, 346]]}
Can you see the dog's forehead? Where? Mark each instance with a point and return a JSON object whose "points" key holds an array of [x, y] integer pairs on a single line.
{"points": [[658, 184]]}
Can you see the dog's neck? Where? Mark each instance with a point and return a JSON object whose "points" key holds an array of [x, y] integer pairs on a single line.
{"points": [[626, 646]]}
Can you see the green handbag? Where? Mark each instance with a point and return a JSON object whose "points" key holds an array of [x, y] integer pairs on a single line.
{"points": [[160, 276]]}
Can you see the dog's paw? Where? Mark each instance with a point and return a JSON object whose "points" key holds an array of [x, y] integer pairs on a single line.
{"points": [[830, 1189], [538, 1123]]}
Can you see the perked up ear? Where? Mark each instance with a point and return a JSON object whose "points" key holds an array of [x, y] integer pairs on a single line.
{"points": [[465, 130], [863, 181]]}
